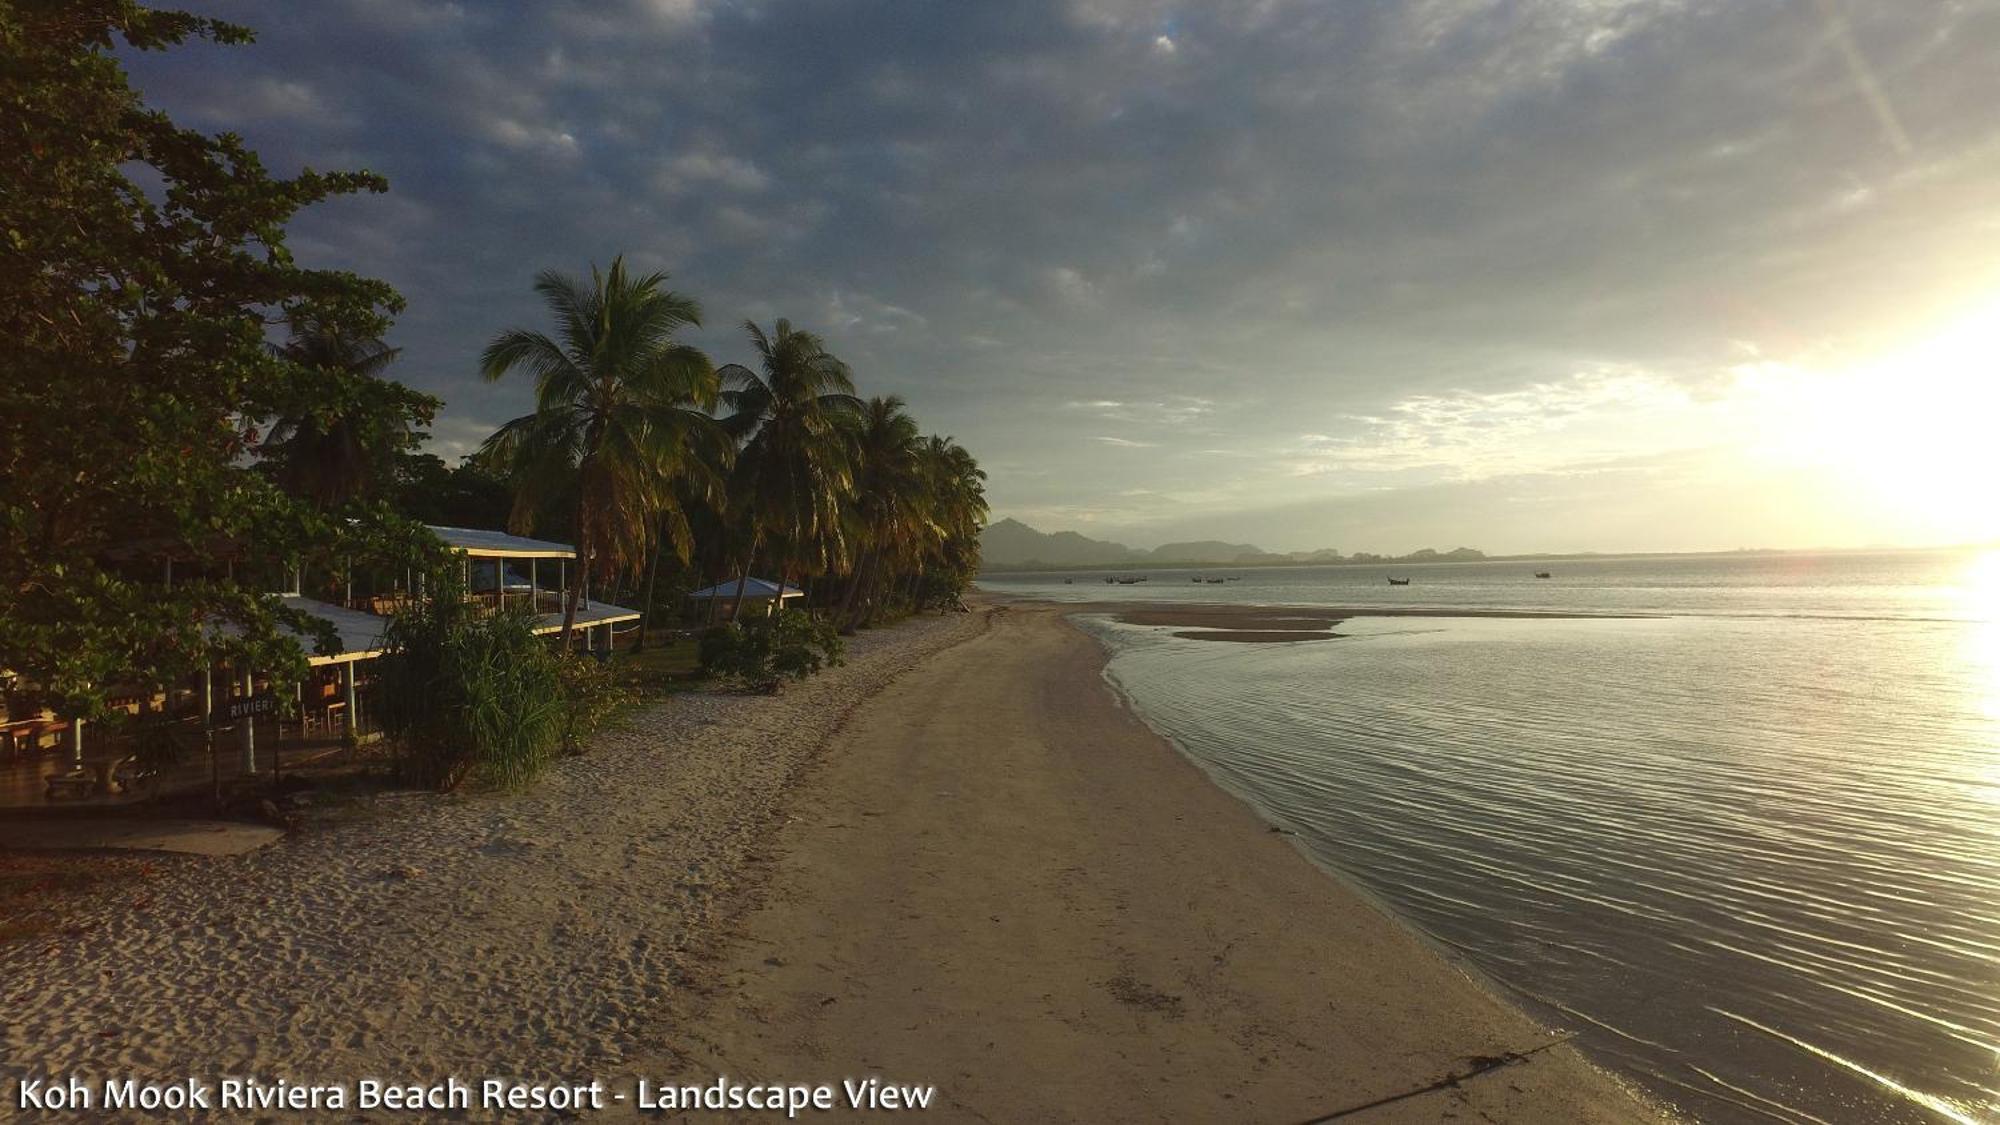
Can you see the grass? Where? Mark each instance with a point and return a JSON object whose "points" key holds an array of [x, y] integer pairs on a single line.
{"points": [[664, 666]]}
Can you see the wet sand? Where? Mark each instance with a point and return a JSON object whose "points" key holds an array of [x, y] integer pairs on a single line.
{"points": [[955, 860], [1002, 883], [1255, 624]]}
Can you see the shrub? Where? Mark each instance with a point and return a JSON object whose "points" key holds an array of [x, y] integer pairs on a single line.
{"points": [[790, 644], [466, 694], [591, 695]]}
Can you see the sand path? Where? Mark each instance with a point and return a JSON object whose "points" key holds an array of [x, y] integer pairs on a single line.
{"points": [[1002, 883]]}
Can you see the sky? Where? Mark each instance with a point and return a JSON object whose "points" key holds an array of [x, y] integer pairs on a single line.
{"points": [[1524, 275]]}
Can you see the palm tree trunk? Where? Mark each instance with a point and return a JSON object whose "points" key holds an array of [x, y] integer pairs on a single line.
{"points": [[646, 612], [749, 561], [576, 579], [847, 621]]}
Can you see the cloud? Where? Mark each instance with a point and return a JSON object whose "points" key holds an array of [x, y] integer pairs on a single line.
{"points": [[1404, 227]]}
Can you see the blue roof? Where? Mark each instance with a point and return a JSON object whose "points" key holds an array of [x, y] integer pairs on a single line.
{"points": [[750, 588]]}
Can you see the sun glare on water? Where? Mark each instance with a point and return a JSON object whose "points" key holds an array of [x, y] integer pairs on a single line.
{"points": [[1980, 589], [1910, 434]]}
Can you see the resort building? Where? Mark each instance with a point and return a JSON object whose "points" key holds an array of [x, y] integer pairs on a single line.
{"points": [[226, 728], [760, 594]]}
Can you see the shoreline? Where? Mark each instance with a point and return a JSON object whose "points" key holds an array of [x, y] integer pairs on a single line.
{"points": [[1106, 933], [960, 859]]}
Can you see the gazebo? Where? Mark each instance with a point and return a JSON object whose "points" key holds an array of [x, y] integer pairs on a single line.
{"points": [[724, 595]]}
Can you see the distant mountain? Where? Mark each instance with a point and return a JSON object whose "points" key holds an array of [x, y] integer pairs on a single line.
{"points": [[1208, 551], [1013, 545]]}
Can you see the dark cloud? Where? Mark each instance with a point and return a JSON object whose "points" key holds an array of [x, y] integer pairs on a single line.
{"points": [[1243, 222]]}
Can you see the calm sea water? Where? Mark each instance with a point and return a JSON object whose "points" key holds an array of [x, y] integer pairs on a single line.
{"points": [[1748, 849]]}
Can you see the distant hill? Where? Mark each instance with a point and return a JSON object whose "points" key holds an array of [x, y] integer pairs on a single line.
{"points": [[1208, 551], [1013, 543], [1010, 544]]}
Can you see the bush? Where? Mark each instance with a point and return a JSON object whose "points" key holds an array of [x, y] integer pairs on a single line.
{"points": [[790, 644], [466, 694], [591, 695]]}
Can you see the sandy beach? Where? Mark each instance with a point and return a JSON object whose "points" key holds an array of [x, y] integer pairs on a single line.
{"points": [[956, 861], [1004, 883]]}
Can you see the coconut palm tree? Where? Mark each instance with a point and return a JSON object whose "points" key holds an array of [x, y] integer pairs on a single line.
{"points": [[795, 467], [331, 456], [621, 419], [955, 487], [889, 507]]}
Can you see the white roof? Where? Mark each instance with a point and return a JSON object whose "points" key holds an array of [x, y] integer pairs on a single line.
{"points": [[499, 544], [750, 588], [596, 613], [361, 633]]}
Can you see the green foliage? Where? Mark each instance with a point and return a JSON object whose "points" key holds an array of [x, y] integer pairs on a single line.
{"points": [[136, 382], [796, 469], [467, 694], [790, 644], [621, 424], [592, 693], [467, 495]]}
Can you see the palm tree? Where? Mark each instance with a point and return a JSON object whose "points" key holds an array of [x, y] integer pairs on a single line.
{"points": [[621, 418], [955, 486], [890, 504], [795, 466], [333, 457]]}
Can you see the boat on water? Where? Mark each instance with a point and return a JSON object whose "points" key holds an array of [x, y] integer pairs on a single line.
{"points": [[1399, 582], [1069, 581], [1215, 581], [1108, 580], [1541, 574]]}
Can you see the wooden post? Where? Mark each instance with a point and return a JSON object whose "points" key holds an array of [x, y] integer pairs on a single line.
{"points": [[353, 732], [534, 605], [249, 725]]}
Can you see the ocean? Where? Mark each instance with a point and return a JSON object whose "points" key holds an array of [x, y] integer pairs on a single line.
{"points": [[1744, 843]]}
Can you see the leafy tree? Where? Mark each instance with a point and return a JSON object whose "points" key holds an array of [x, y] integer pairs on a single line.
{"points": [[621, 417], [796, 466], [332, 448], [136, 379], [466, 495]]}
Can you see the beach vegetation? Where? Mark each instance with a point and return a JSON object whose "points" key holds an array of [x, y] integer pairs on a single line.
{"points": [[621, 429], [469, 695], [796, 468], [592, 693], [789, 644]]}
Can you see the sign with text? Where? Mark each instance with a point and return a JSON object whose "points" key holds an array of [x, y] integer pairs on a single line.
{"points": [[255, 705]]}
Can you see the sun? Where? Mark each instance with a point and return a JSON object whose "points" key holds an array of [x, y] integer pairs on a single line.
{"points": [[1910, 434]]}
